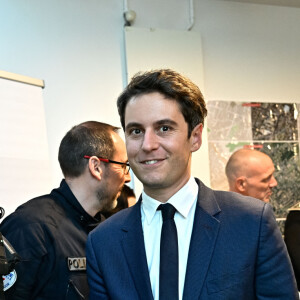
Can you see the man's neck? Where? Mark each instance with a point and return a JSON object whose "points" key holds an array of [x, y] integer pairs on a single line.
{"points": [[164, 194], [83, 194]]}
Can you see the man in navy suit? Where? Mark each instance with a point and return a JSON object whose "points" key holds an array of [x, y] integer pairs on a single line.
{"points": [[229, 245]]}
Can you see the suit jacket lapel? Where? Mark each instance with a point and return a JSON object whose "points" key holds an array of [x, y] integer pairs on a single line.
{"points": [[134, 249], [204, 236]]}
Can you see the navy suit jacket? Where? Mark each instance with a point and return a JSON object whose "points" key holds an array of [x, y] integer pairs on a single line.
{"points": [[236, 252]]}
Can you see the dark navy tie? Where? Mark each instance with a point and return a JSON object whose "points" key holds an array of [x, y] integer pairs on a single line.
{"points": [[168, 273]]}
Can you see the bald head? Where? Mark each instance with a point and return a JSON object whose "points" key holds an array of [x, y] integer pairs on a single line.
{"points": [[250, 173]]}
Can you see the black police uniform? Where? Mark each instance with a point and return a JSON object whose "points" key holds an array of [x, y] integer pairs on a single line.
{"points": [[49, 233]]}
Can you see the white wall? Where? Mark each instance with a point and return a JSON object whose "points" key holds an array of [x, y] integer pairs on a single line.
{"points": [[76, 47], [250, 52]]}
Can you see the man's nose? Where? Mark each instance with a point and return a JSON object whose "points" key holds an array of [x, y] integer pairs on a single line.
{"points": [[273, 182], [150, 141]]}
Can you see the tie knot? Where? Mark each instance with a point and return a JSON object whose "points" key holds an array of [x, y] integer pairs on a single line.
{"points": [[167, 211]]}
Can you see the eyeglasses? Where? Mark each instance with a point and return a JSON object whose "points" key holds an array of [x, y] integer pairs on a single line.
{"points": [[126, 166]]}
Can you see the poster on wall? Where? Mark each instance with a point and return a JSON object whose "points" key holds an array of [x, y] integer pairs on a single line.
{"points": [[272, 128], [24, 158]]}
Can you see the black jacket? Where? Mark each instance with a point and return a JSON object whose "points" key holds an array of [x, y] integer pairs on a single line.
{"points": [[292, 240], [49, 233]]}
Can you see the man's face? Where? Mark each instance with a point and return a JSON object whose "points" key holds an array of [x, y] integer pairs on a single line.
{"points": [[158, 147], [260, 181], [113, 176]]}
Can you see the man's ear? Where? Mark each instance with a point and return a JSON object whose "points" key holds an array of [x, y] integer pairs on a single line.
{"points": [[196, 137], [95, 167], [241, 184]]}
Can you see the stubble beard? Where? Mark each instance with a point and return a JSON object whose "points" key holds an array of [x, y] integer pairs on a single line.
{"points": [[107, 203]]}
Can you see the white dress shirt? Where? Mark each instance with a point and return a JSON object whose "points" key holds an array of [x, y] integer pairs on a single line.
{"points": [[185, 203]]}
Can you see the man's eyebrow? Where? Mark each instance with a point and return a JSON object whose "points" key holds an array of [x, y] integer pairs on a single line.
{"points": [[166, 122], [268, 177], [132, 124]]}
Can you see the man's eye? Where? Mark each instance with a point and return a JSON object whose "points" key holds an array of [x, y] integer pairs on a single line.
{"points": [[164, 128], [135, 131]]}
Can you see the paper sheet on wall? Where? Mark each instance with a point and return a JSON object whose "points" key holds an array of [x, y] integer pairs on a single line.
{"points": [[24, 157]]}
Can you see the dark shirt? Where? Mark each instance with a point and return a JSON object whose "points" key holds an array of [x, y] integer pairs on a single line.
{"points": [[49, 233], [292, 240]]}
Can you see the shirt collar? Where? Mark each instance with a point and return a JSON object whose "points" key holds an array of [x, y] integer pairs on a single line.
{"points": [[183, 201]]}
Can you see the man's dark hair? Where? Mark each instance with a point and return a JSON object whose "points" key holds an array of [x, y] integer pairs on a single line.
{"points": [[173, 86], [88, 138]]}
